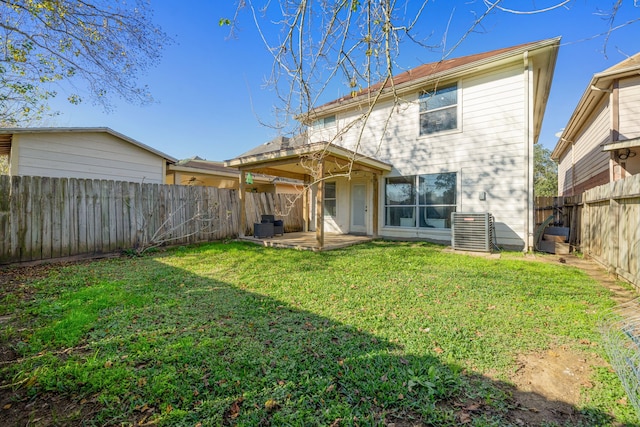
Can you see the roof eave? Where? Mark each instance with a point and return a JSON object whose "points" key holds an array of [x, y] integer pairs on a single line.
{"points": [[295, 152], [451, 74], [543, 90], [591, 96], [618, 145], [256, 159], [597, 88], [189, 169]]}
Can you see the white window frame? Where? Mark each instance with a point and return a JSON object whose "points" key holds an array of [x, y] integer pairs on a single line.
{"points": [[416, 207], [324, 122], [458, 109], [334, 199]]}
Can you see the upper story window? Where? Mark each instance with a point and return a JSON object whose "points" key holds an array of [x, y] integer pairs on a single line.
{"points": [[324, 122], [439, 110]]}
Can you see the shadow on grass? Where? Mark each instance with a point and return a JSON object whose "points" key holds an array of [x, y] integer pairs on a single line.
{"points": [[177, 348]]}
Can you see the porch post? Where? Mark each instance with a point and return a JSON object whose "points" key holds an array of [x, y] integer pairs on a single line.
{"points": [[306, 204], [320, 205], [243, 196], [375, 205]]}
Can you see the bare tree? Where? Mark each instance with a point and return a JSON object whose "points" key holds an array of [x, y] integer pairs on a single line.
{"points": [[352, 46], [97, 46], [159, 222]]}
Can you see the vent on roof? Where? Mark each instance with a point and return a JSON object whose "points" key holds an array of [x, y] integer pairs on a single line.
{"points": [[472, 231]]}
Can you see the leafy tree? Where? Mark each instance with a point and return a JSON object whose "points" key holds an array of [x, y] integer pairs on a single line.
{"points": [[545, 172], [102, 44]]}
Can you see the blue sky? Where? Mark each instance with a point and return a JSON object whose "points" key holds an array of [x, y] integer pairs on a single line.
{"points": [[211, 95]]}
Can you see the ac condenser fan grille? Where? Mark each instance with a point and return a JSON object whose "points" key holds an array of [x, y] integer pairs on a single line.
{"points": [[472, 231]]}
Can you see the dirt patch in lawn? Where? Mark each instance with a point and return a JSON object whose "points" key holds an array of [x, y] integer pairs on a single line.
{"points": [[547, 386]]}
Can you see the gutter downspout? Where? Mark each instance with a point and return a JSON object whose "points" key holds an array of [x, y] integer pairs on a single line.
{"points": [[529, 202]]}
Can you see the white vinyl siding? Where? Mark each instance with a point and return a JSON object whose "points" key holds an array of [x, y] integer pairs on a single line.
{"points": [[86, 155], [488, 154], [629, 108]]}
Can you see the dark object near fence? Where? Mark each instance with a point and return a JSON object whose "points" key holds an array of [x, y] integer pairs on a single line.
{"points": [[278, 224], [269, 227], [555, 240], [262, 230]]}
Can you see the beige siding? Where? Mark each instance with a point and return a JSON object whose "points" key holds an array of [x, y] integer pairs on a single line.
{"points": [[630, 108], [589, 160], [488, 151], [565, 174], [86, 155], [340, 223]]}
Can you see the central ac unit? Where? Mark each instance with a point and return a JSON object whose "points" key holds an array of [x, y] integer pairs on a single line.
{"points": [[472, 231]]}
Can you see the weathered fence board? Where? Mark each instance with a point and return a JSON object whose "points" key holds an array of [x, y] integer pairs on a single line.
{"points": [[611, 232], [566, 212], [44, 218], [604, 223], [5, 203]]}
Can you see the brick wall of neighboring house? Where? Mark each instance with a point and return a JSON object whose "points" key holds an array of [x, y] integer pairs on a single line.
{"points": [[594, 181]]}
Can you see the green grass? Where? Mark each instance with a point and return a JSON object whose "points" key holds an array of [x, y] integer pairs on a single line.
{"points": [[240, 334]]}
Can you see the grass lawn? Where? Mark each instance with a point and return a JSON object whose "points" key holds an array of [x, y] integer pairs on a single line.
{"points": [[237, 334]]}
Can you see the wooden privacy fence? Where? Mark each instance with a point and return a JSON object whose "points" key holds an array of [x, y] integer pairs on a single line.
{"points": [[43, 218], [611, 227], [566, 212]]}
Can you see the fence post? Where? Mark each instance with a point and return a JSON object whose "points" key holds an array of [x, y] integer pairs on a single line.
{"points": [[5, 218], [614, 232]]}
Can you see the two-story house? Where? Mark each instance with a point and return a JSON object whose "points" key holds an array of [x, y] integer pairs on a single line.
{"points": [[601, 141], [455, 135]]}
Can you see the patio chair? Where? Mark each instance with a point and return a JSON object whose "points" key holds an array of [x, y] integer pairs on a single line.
{"points": [[263, 230], [278, 224]]}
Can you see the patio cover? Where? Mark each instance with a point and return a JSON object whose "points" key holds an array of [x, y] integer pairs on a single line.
{"points": [[311, 163]]}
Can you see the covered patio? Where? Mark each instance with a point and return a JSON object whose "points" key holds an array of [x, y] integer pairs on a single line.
{"points": [[312, 164], [307, 241]]}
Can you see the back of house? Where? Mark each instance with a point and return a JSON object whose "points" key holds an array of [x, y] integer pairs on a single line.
{"points": [[459, 136]]}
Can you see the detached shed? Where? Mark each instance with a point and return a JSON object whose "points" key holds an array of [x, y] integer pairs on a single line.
{"points": [[90, 153]]}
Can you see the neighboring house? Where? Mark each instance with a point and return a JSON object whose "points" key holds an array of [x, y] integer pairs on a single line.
{"points": [[601, 142], [91, 153], [459, 139], [197, 171]]}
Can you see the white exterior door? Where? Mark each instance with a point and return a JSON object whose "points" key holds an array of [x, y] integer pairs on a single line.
{"points": [[358, 207]]}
